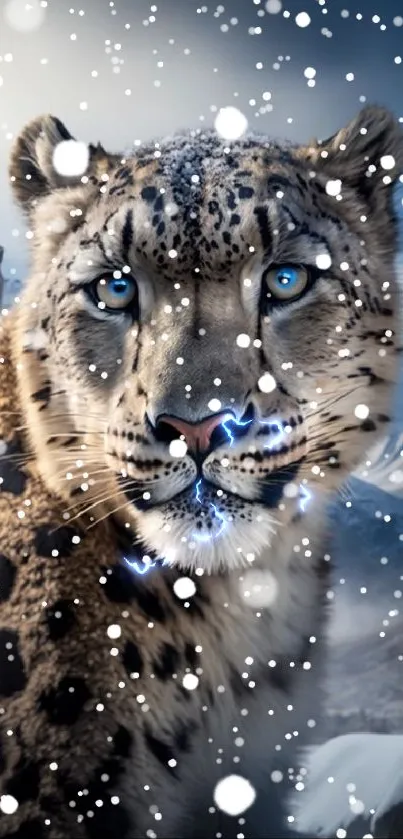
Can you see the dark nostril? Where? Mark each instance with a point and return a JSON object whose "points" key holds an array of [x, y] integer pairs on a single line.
{"points": [[164, 432], [206, 435], [232, 429]]}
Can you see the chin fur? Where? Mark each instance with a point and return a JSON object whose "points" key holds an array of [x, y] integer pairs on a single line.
{"points": [[228, 544]]}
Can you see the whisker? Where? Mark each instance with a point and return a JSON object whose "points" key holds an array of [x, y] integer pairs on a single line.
{"points": [[104, 499], [108, 514]]}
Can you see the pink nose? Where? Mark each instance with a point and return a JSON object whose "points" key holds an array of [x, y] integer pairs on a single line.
{"points": [[197, 435]]}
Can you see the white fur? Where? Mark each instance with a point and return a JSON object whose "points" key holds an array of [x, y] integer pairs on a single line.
{"points": [[372, 762], [230, 546]]}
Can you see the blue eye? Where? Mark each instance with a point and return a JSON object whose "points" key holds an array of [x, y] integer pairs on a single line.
{"points": [[115, 291], [285, 282]]}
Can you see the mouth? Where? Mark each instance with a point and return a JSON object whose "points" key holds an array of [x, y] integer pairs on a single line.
{"points": [[202, 491]]}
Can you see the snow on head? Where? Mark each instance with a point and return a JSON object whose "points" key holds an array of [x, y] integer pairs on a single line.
{"points": [[234, 794], [71, 158], [230, 123], [23, 16]]}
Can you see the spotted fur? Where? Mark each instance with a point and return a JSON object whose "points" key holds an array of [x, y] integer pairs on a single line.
{"points": [[99, 737]]}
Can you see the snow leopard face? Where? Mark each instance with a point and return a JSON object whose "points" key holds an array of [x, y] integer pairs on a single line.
{"points": [[208, 331]]}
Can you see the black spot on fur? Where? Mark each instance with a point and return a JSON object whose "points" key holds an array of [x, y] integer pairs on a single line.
{"points": [[368, 425], [279, 677], [24, 784], [119, 586], [7, 577], [167, 663], [111, 820], [191, 656], [13, 478], [132, 660], [238, 686], [127, 235], [150, 604], [122, 586], [60, 619], [51, 537], [49, 804], [161, 751], [182, 736], [42, 395], [272, 490], [2, 759], [12, 673], [245, 192], [122, 742], [262, 218], [149, 193], [64, 703], [31, 829]]}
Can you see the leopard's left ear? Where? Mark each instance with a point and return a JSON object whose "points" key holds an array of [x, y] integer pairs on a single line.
{"points": [[32, 167], [366, 155]]}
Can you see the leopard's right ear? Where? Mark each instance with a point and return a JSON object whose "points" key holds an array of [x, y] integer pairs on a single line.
{"points": [[33, 162]]}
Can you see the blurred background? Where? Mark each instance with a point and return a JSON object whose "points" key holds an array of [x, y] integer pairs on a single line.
{"points": [[124, 71]]}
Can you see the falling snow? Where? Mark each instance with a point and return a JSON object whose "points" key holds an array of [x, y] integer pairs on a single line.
{"points": [[243, 340], [178, 448], [214, 405], [8, 804], [273, 7], [333, 187], [302, 19], [387, 161], [114, 631], [323, 261], [268, 98], [230, 123], [361, 411], [259, 589], [190, 681], [267, 383], [184, 588], [70, 158], [234, 794], [24, 16]]}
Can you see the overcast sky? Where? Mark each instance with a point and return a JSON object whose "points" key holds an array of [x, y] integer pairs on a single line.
{"points": [[129, 69]]}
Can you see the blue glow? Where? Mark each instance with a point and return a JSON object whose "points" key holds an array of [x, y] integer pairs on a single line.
{"points": [[278, 436], [144, 566], [238, 423], [306, 498], [198, 490], [276, 426], [207, 537]]}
